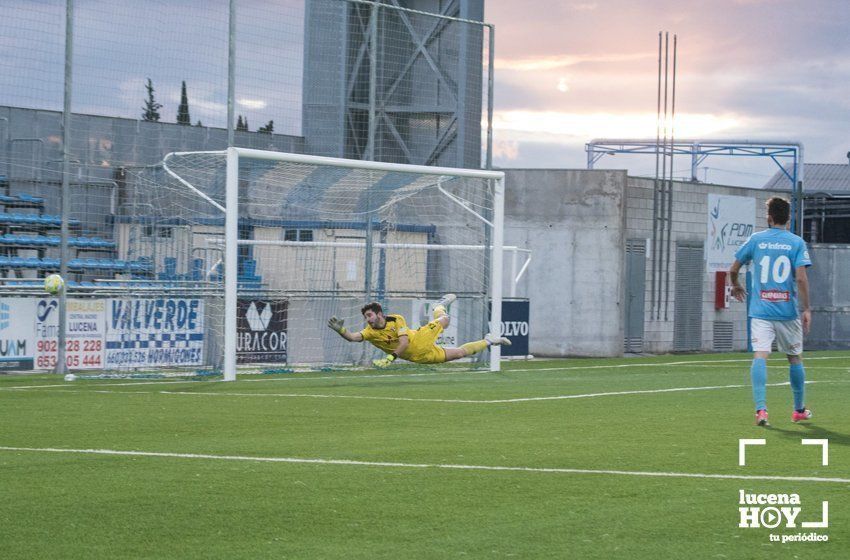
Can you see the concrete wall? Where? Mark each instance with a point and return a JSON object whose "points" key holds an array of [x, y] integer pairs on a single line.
{"points": [[577, 222], [32, 139], [690, 215], [573, 221]]}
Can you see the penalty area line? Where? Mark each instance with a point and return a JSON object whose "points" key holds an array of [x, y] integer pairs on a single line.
{"points": [[433, 400], [492, 401], [704, 363], [434, 466]]}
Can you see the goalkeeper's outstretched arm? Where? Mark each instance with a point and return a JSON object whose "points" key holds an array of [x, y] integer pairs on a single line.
{"points": [[337, 325], [403, 342]]}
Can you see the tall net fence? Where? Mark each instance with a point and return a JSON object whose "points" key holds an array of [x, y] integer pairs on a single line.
{"points": [[315, 241], [341, 78], [345, 78]]}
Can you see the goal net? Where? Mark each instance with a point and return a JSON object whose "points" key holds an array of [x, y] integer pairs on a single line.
{"points": [[264, 247]]}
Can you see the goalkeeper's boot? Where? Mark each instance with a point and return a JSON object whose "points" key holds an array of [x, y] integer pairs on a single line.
{"points": [[761, 418], [442, 305], [496, 340], [798, 415]]}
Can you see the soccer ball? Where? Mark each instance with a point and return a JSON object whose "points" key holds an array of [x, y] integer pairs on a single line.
{"points": [[53, 284], [70, 377]]}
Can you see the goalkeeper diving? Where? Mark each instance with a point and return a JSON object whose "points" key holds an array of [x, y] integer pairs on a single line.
{"points": [[391, 334]]}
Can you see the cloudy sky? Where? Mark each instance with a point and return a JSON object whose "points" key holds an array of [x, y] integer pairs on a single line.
{"points": [[572, 70], [119, 44], [567, 71]]}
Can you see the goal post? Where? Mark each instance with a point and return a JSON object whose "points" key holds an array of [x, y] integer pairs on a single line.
{"points": [[231, 261], [327, 235]]}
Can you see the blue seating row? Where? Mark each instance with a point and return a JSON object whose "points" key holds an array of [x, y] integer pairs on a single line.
{"points": [[75, 264], [21, 200], [16, 218], [54, 241]]}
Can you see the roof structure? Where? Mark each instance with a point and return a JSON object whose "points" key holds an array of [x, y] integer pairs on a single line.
{"points": [[831, 179]]}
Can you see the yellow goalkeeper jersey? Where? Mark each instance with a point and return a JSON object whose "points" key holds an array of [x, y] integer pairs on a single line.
{"points": [[387, 338], [422, 348]]}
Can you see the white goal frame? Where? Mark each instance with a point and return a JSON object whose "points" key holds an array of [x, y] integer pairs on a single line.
{"points": [[232, 241]]}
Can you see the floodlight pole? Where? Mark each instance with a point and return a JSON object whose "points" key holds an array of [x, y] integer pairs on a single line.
{"points": [[231, 71], [491, 61], [370, 144], [61, 365]]}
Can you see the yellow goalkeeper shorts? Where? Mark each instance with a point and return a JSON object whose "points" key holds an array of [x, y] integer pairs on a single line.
{"points": [[423, 348]]}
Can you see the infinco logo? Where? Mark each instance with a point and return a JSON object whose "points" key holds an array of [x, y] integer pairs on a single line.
{"points": [[779, 246]]}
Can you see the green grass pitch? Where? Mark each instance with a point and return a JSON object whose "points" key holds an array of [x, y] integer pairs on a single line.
{"points": [[575, 458]]}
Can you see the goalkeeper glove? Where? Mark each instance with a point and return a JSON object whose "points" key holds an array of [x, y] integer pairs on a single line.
{"points": [[336, 325], [385, 361]]}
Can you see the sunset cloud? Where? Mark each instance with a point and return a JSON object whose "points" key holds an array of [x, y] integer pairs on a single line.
{"points": [[568, 72]]}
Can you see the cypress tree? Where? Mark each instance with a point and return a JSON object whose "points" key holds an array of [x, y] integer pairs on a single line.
{"points": [[183, 110], [151, 109]]}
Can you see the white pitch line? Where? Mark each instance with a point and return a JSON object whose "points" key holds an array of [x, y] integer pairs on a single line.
{"points": [[424, 374], [369, 376], [395, 465], [680, 363], [449, 401], [493, 401], [70, 384], [707, 363], [808, 368], [315, 378]]}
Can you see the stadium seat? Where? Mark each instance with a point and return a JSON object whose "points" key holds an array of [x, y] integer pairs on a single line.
{"points": [[21, 201], [197, 273], [170, 272], [44, 220], [28, 198], [38, 241], [247, 275]]}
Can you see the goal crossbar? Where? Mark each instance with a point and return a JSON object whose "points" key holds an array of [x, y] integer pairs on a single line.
{"points": [[352, 164], [363, 245]]}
